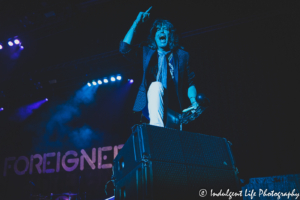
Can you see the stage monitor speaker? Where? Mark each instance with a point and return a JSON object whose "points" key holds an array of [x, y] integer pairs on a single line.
{"points": [[162, 163]]}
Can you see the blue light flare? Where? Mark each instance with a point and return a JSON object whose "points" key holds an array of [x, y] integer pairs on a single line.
{"points": [[16, 41], [24, 112]]}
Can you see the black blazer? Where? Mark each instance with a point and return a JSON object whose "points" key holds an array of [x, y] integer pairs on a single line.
{"points": [[184, 77]]}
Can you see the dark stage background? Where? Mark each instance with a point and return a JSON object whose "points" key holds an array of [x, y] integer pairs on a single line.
{"points": [[245, 56]]}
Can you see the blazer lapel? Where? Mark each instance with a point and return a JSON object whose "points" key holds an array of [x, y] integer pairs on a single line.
{"points": [[147, 58], [176, 69], [147, 54], [176, 56]]}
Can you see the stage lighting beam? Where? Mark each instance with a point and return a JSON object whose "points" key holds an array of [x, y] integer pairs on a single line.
{"points": [[10, 43], [16, 41], [119, 77]]}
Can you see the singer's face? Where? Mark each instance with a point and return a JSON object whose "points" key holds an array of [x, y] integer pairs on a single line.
{"points": [[162, 37]]}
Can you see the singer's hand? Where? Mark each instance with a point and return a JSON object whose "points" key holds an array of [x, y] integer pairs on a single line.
{"points": [[143, 16], [193, 107], [195, 104]]}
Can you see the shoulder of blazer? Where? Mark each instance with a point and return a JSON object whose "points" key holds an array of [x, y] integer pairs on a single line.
{"points": [[146, 49], [183, 52], [183, 55]]}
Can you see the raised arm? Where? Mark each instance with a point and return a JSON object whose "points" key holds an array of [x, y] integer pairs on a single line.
{"points": [[142, 17], [130, 52]]}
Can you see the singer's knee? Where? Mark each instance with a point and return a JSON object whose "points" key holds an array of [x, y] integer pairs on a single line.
{"points": [[156, 86]]}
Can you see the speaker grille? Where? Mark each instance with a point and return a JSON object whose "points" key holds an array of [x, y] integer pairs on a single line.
{"points": [[165, 144], [171, 145], [163, 180], [206, 150]]}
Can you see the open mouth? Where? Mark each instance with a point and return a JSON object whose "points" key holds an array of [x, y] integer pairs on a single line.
{"points": [[162, 38]]}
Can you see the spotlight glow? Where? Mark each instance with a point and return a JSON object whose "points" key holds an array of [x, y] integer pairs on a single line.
{"points": [[10, 43], [99, 82], [119, 78], [94, 83], [89, 84], [21, 47], [16, 41], [1, 109], [112, 79], [46, 99], [105, 80], [1, 47], [130, 80]]}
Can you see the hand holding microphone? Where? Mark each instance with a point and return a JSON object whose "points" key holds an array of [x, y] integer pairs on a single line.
{"points": [[200, 100]]}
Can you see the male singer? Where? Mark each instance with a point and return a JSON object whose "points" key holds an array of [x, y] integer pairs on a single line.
{"points": [[167, 75]]}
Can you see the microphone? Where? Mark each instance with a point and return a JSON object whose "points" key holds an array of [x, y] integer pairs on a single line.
{"points": [[201, 99], [188, 109]]}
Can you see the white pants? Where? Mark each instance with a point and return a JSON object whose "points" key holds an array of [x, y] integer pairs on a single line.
{"points": [[155, 96]]}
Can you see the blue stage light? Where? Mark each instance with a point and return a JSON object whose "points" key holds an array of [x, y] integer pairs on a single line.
{"points": [[99, 82], [112, 79], [1, 47], [89, 84], [119, 78], [105, 80], [10, 43], [1, 109], [16, 41], [94, 83], [46, 99], [130, 80]]}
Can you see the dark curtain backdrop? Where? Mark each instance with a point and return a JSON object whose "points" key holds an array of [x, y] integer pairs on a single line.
{"points": [[249, 72]]}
